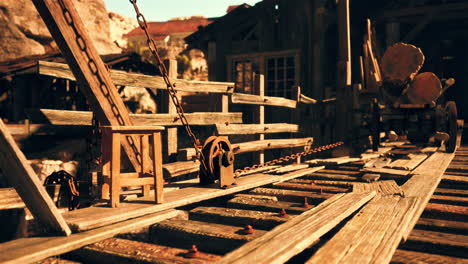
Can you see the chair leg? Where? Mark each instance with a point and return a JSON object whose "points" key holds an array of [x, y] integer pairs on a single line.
{"points": [[104, 177], [144, 150], [157, 167], [115, 170]]}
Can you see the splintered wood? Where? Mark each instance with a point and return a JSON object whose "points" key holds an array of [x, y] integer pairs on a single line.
{"points": [[299, 233]]}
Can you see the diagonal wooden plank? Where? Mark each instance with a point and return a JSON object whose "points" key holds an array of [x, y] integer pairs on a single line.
{"points": [[92, 76], [292, 237], [371, 236], [20, 174], [33, 249]]}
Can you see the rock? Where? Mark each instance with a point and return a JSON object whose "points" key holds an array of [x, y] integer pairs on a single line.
{"points": [[119, 26], [23, 33]]}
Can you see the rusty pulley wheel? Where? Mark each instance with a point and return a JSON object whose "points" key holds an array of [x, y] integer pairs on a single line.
{"points": [[452, 126], [219, 160]]}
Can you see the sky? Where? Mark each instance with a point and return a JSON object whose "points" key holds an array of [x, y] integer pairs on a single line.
{"points": [[162, 10]]}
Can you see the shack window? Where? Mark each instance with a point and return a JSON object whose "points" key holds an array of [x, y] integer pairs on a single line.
{"points": [[281, 76], [243, 76]]}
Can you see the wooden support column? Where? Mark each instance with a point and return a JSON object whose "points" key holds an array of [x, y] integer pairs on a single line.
{"points": [[20, 174], [167, 106], [259, 112], [91, 74], [343, 71]]}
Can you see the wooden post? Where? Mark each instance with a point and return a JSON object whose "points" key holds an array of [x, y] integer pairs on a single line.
{"points": [[91, 74], [343, 70], [115, 170], [157, 168], [296, 113], [259, 111], [169, 107], [20, 174]]}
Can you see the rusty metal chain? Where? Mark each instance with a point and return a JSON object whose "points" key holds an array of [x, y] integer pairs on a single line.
{"points": [[238, 172], [95, 71], [169, 85]]}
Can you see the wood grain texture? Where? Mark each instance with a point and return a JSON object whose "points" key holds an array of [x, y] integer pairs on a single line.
{"points": [[371, 236], [414, 257], [238, 98], [30, 250], [20, 174], [249, 129], [9, 199], [122, 78], [299, 233], [93, 217], [63, 117]]}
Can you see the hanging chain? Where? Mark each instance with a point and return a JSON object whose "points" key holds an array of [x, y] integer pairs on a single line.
{"points": [[170, 86], [238, 172]]}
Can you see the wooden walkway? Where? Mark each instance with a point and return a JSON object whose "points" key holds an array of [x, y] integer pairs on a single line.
{"points": [[345, 220]]}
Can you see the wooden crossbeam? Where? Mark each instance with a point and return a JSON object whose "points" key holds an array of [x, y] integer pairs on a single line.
{"points": [[61, 70], [249, 129], [91, 74], [84, 118], [20, 174], [239, 98]]}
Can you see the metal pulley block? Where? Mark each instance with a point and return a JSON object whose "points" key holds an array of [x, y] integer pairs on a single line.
{"points": [[219, 162]]}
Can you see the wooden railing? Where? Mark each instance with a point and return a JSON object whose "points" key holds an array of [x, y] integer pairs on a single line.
{"points": [[219, 94]]}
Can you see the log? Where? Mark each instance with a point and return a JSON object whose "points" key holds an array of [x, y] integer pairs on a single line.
{"points": [[250, 129], [238, 98], [401, 62], [425, 88], [30, 250], [20, 174], [287, 240], [62, 117], [122, 78], [180, 168]]}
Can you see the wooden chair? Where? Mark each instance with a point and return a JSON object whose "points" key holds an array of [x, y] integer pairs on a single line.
{"points": [[112, 180]]}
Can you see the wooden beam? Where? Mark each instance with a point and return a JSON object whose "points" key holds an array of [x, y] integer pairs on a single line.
{"points": [[292, 237], [93, 217], [31, 250], [84, 118], [9, 199], [259, 114], [68, 31], [423, 10], [60, 70], [250, 129], [20, 174], [239, 98]]}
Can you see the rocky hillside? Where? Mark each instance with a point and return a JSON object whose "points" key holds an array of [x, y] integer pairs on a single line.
{"points": [[23, 33]]}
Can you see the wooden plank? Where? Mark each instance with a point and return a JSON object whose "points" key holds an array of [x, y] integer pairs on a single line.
{"points": [[178, 168], [118, 250], [258, 145], [311, 187], [389, 187], [454, 212], [249, 129], [414, 257], [238, 217], [438, 242], [122, 78], [29, 250], [238, 98], [393, 172], [407, 164], [448, 199], [291, 195], [9, 199], [170, 136], [333, 161], [209, 237], [57, 261], [266, 204], [288, 239], [92, 217], [450, 226], [20, 174], [87, 66], [259, 115], [424, 181], [63, 117], [372, 236], [454, 179]]}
